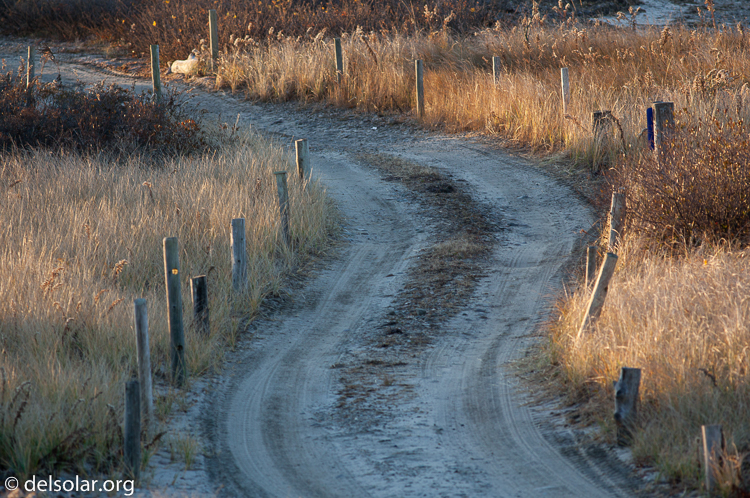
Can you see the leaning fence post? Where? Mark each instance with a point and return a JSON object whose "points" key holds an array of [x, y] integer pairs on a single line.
{"points": [[419, 68], [496, 70], [155, 76], [30, 67], [213, 30], [565, 89], [594, 307], [132, 432], [239, 255], [616, 220], [626, 404], [713, 444], [174, 300], [199, 292], [339, 59], [663, 123], [140, 310], [303, 156], [283, 205], [590, 265]]}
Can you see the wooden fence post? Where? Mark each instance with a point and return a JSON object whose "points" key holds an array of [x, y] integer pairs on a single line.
{"points": [[590, 265], [199, 292], [617, 215], [626, 404], [174, 300], [213, 30], [601, 119], [339, 59], [132, 432], [30, 67], [155, 76], [283, 205], [140, 310], [419, 68], [303, 157], [496, 70], [713, 445], [663, 124], [239, 255], [594, 307], [565, 89]]}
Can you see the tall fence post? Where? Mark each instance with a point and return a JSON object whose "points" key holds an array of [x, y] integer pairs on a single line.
{"points": [[565, 89], [302, 149], [713, 444], [496, 70], [213, 30], [594, 307], [155, 76], [199, 292], [140, 309], [419, 68], [339, 59], [626, 404], [590, 265], [283, 205], [30, 66], [132, 432], [617, 215], [663, 124], [239, 255], [174, 300]]}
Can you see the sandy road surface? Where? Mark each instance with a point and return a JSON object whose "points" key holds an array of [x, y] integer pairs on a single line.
{"points": [[447, 419]]}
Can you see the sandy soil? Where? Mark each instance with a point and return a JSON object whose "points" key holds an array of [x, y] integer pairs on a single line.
{"points": [[313, 404]]}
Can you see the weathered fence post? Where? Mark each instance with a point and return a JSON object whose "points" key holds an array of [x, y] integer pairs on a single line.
{"points": [[590, 265], [239, 255], [213, 30], [713, 445], [303, 157], [283, 205], [663, 124], [601, 120], [199, 292], [339, 59], [132, 432], [30, 67], [140, 310], [616, 220], [594, 307], [626, 404], [419, 68], [174, 300], [155, 76], [565, 89], [496, 70]]}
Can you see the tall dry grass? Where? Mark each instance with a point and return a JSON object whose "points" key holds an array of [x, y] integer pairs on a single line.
{"points": [[81, 238]]}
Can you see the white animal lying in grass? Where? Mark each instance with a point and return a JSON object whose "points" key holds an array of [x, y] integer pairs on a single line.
{"points": [[189, 66]]}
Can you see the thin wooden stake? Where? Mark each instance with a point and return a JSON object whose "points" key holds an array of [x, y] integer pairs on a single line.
{"points": [[496, 70], [419, 68], [283, 205], [626, 404], [132, 432], [174, 300], [617, 215], [303, 157], [591, 252], [596, 302], [713, 444], [213, 29], [339, 59], [663, 124], [239, 255], [140, 309], [155, 76], [199, 291], [565, 89], [30, 67]]}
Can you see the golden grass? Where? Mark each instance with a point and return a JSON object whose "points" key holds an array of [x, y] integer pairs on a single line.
{"points": [[81, 238]]}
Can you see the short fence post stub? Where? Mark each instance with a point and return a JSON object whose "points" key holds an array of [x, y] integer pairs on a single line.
{"points": [[590, 265], [419, 68], [663, 125], [565, 82], [339, 59], [213, 29], [140, 309], [155, 76], [626, 404], [30, 67], [617, 215], [132, 432], [199, 292], [174, 301], [594, 307], [713, 445], [239, 255], [496, 70], [303, 157], [283, 205]]}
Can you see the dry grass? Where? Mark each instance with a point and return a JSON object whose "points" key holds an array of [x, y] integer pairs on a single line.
{"points": [[81, 238]]}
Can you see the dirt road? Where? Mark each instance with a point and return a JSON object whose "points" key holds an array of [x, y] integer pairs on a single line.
{"points": [[313, 403]]}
